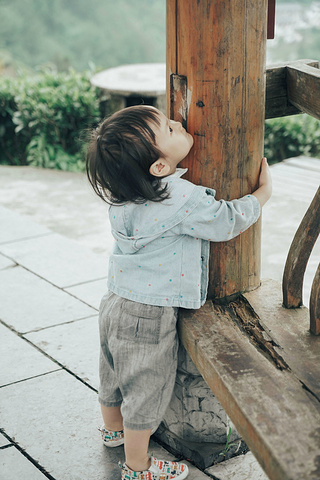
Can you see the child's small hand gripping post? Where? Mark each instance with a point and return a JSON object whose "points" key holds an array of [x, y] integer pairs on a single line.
{"points": [[264, 191]]}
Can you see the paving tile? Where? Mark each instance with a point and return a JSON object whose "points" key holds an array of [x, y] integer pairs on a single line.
{"points": [[62, 201], [55, 419], [14, 466], [15, 227], [75, 345], [195, 473], [61, 433], [59, 260], [28, 302], [244, 467], [5, 262], [3, 441], [91, 293], [19, 359]]}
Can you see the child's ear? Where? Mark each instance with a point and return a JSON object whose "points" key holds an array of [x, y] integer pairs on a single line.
{"points": [[160, 168]]}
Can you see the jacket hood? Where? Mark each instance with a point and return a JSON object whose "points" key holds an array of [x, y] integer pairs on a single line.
{"points": [[134, 226]]}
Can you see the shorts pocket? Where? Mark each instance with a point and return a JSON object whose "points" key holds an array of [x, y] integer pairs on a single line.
{"points": [[139, 323]]}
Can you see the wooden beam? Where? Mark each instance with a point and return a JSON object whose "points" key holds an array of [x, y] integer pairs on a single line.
{"points": [[275, 409], [299, 253], [303, 83], [277, 99], [315, 304], [271, 18]]}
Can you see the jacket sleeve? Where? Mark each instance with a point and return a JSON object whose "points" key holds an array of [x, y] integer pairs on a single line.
{"points": [[220, 220]]}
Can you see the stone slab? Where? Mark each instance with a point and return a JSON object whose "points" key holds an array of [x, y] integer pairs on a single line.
{"points": [[90, 293], [3, 441], [195, 473], [29, 303], [16, 227], [244, 467], [55, 419], [14, 465], [64, 202], [19, 359], [6, 262], [61, 433], [59, 260], [75, 345]]}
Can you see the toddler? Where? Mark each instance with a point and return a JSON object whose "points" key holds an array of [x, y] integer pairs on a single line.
{"points": [[162, 226]]}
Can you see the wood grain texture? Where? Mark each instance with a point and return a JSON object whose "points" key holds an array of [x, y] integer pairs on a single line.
{"points": [[299, 254], [303, 83], [276, 411], [289, 329], [315, 305], [171, 51], [277, 101], [220, 48]]}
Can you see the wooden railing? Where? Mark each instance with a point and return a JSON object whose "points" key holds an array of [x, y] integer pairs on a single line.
{"points": [[293, 88], [296, 263]]}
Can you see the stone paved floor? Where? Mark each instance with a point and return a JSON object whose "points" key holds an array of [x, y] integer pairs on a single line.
{"points": [[54, 245], [50, 292]]}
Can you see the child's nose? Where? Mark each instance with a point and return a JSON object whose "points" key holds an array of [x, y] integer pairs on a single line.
{"points": [[175, 123]]}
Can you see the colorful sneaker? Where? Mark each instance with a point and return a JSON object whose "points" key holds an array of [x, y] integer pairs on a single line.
{"points": [[159, 470], [110, 438]]}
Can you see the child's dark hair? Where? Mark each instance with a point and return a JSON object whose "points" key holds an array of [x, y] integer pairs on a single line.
{"points": [[119, 156]]}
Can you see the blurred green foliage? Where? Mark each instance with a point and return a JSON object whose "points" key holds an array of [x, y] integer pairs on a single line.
{"points": [[42, 118], [77, 32], [291, 136]]}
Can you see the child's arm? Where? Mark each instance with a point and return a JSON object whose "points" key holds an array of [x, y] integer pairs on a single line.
{"points": [[263, 193], [220, 220]]}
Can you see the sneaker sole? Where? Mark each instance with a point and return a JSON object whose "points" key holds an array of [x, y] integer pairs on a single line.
{"points": [[183, 474], [117, 443]]}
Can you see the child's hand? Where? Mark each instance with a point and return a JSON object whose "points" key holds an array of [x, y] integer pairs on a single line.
{"points": [[263, 193], [265, 176]]}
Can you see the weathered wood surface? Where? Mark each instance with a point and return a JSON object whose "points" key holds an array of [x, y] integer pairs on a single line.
{"points": [[277, 101], [299, 254], [179, 96], [271, 18], [272, 408], [289, 329], [303, 83], [219, 47], [315, 304]]}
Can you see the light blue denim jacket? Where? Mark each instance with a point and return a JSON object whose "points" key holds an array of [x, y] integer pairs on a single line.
{"points": [[161, 251]]}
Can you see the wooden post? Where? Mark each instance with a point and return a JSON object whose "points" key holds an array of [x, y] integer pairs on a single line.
{"points": [[216, 85]]}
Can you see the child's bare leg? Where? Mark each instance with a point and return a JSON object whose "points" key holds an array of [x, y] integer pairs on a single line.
{"points": [[136, 443], [112, 418]]}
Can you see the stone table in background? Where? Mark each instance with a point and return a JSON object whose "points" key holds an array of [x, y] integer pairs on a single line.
{"points": [[136, 84]]}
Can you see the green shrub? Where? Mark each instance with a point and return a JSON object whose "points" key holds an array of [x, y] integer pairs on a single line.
{"points": [[291, 136], [42, 118]]}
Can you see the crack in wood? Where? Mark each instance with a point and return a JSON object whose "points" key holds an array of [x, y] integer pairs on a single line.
{"points": [[249, 323], [305, 387]]}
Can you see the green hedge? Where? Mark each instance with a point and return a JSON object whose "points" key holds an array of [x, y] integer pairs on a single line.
{"points": [[291, 136], [42, 119]]}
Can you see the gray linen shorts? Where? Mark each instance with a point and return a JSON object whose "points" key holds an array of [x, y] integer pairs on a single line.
{"points": [[138, 359]]}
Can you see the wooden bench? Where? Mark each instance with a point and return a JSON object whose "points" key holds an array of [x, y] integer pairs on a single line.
{"points": [[262, 362]]}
